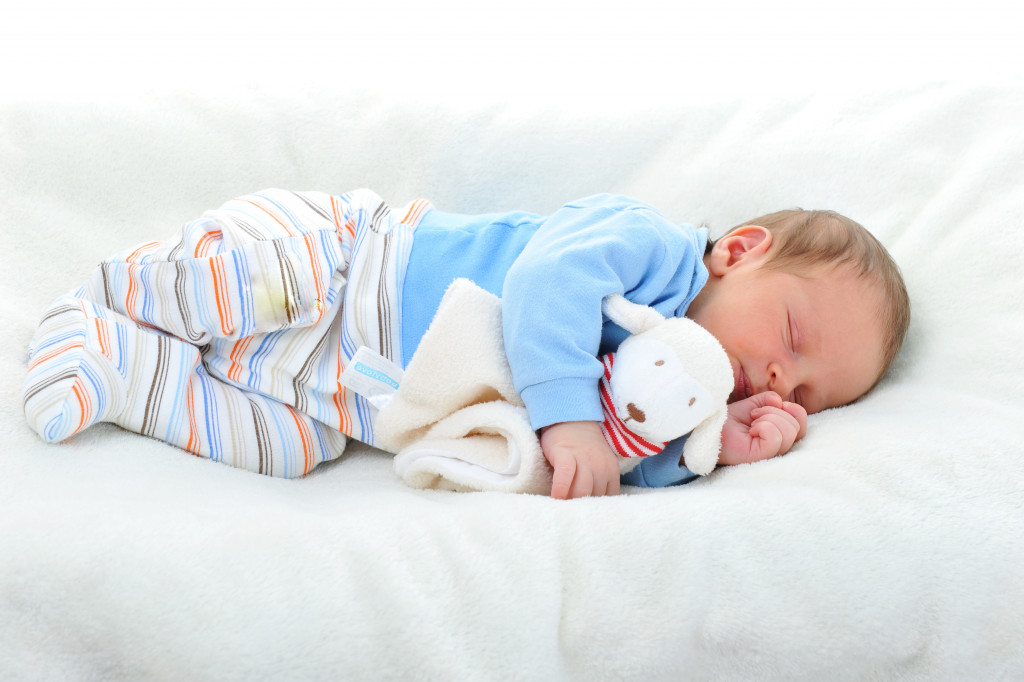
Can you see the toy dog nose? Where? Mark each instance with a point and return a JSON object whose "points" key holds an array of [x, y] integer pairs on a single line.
{"points": [[635, 412]]}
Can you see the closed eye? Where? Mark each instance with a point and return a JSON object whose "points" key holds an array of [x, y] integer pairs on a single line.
{"points": [[793, 334]]}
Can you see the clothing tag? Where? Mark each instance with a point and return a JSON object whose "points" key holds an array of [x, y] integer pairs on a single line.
{"points": [[372, 376]]}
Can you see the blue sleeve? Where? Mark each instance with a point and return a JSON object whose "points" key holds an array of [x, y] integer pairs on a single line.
{"points": [[661, 470], [551, 297]]}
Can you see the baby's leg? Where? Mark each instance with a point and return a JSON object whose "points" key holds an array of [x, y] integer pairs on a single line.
{"points": [[89, 364], [260, 263], [258, 288]]}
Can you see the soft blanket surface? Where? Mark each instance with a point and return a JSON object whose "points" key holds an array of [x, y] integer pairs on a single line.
{"points": [[887, 545]]}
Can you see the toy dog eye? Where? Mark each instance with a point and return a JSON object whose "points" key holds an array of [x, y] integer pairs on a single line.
{"points": [[659, 363], [692, 401]]}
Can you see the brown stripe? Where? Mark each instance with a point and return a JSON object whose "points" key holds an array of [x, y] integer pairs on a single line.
{"points": [[259, 422], [156, 389], [323, 214], [254, 232], [304, 373], [289, 282], [384, 303], [46, 383], [107, 296], [181, 295], [180, 246], [59, 311]]}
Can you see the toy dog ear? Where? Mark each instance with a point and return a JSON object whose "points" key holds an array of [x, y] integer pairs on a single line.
{"points": [[632, 317]]}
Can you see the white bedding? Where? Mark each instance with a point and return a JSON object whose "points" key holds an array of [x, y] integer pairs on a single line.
{"points": [[887, 545]]}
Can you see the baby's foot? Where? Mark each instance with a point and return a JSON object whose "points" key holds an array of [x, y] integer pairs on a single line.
{"points": [[73, 380]]}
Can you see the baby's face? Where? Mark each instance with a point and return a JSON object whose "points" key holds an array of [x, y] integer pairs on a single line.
{"points": [[815, 340]]}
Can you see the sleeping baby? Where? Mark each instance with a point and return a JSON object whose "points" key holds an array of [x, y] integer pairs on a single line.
{"points": [[229, 340]]}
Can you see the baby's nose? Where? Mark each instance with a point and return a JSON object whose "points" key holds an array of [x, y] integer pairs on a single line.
{"points": [[777, 380]]}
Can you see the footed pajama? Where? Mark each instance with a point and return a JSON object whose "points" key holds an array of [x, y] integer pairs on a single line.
{"points": [[229, 339]]}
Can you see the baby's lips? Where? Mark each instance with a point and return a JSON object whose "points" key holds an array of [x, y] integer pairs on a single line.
{"points": [[737, 383]]}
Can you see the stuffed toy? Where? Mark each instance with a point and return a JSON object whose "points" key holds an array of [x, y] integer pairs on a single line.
{"points": [[669, 378]]}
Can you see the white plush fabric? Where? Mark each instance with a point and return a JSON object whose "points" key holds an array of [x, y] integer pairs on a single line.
{"points": [[887, 545], [456, 422]]}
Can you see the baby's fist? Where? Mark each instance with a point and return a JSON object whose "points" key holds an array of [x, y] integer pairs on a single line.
{"points": [[760, 427]]}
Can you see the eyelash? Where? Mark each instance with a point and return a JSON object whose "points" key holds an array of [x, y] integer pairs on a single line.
{"points": [[792, 336]]}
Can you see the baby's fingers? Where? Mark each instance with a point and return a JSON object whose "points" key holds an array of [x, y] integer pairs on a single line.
{"points": [[800, 414], [562, 478], [583, 483], [775, 426]]}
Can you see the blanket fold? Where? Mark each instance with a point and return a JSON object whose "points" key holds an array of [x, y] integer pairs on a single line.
{"points": [[465, 429]]}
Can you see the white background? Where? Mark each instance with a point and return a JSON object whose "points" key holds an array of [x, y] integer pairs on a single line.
{"points": [[615, 52]]}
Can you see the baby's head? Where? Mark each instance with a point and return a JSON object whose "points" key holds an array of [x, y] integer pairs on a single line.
{"points": [[807, 304]]}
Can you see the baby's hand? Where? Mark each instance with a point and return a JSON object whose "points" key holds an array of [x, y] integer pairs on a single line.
{"points": [[583, 461], [760, 427]]}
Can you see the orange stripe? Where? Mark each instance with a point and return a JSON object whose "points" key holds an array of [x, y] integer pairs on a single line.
{"points": [[321, 299], [83, 402], [193, 437], [52, 353], [131, 291], [101, 334], [287, 229], [220, 291], [415, 211], [237, 351], [339, 399], [337, 214], [203, 245], [307, 443], [131, 257]]}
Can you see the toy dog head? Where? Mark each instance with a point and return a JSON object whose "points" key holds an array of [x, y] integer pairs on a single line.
{"points": [[671, 377]]}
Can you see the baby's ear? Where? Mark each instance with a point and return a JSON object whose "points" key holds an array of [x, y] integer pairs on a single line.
{"points": [[750, 242], [632, 317]]}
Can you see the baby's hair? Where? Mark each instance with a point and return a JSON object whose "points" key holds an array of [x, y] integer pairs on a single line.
{"points": [[803, 239]]}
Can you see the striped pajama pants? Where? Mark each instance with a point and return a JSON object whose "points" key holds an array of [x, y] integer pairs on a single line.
{"points": [[229, 339]]}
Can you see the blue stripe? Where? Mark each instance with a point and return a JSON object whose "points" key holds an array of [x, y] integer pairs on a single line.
{"points": [[201, 296], [58, 339], [211, 416], [89, 372], [248, 323], [325, 451], [276, 411], [177, 419], [147, 300], [256, 360], [365, 422], [122, 344], [55, 429], [287, 214]]}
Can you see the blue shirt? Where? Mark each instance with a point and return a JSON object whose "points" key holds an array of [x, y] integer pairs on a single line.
{"points": [[662, 469]]}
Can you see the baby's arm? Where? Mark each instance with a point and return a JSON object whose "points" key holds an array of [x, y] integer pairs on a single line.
{"points": [[553, 326], [761, 427], [583, 462]]}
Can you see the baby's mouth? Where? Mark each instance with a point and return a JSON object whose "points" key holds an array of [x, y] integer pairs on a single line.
{"points": [[741, 391]]}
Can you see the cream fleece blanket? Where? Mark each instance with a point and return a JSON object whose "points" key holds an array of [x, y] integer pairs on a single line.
{"points": [[887, 545], [456, 421]]}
